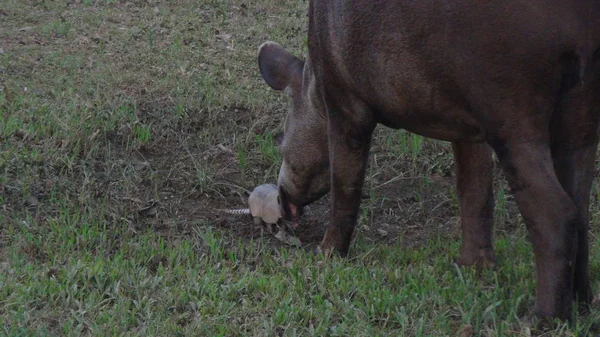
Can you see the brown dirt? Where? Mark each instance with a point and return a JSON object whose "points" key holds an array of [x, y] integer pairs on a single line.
{"points": [[409, 209], [161, 189]]}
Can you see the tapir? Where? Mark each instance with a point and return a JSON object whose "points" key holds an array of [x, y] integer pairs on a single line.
{"points": [[518, 78]]}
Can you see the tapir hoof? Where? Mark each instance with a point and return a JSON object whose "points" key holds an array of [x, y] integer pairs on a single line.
{"points": [[482, 258], [330, 248], [326, 251], [539, 323], [336, 242], [542, 322], [318, 252]]}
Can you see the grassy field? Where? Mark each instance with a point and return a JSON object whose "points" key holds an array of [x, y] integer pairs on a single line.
{"points": [[124, 125]]}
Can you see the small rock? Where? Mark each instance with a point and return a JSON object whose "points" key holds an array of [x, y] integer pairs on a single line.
{"points": [[1, 51]]}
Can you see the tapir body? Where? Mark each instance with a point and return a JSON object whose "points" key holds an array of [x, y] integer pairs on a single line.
{"points": [[520, 78]]}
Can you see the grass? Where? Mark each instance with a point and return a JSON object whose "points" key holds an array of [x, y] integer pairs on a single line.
{"points": [[124, 125]]}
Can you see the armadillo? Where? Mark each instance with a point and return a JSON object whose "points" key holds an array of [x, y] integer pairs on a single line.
{"points": [[263, 205]]}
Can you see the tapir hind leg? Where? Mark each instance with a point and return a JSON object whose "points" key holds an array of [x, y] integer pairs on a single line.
{"points": [[575, 170], [575, 138], [474, 169], [551, 218]]}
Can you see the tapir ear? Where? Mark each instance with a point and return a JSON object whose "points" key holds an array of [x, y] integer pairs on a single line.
{"points": [[279, 68]]}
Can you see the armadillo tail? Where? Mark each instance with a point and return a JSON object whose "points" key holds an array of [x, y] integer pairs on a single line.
{"points": [[240, 211]]}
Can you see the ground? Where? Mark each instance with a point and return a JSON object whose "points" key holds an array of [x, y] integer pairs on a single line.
{"points": [[126, 125]]}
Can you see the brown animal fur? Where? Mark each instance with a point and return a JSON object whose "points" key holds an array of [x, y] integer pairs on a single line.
{"points": [[520, 78]]}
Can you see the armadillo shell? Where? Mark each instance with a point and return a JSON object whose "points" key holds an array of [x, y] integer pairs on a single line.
{"points": [[263, 203]]}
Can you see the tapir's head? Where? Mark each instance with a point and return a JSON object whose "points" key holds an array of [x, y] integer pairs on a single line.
{"points": [[304, 173]]}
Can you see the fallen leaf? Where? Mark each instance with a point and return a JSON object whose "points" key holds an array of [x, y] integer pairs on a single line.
{"points": [[287, 239]]}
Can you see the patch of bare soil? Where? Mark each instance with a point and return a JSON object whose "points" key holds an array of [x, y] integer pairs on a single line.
{"points": [[168, 197], [409, 210], [157, 186]]}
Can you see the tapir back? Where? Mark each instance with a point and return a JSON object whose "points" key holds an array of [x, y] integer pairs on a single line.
{"points": [[431, 67]]}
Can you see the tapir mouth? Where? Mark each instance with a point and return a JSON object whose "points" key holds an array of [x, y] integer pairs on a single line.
{"points": [[290, 210]]}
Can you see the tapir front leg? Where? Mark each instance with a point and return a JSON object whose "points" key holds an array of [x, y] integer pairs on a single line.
{"points": [[349, 143], [474, 169]]}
